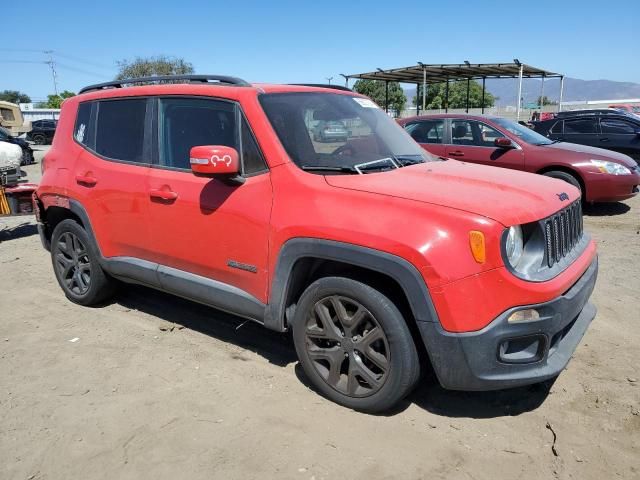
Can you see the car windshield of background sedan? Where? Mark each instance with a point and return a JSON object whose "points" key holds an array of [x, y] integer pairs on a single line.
{"points": [[328, 132], [523, 133]]}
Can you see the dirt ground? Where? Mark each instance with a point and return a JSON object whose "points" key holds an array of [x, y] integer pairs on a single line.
{"points": [[152, 386]]}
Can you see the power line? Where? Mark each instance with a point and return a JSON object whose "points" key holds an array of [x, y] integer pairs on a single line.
{"points": [[80, 70], [80, 60], [21, 61]]}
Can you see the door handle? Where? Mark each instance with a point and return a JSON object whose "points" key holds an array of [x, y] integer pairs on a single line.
{"points": [[604, 139], [86, 180], [163, 194], [456, 154]]}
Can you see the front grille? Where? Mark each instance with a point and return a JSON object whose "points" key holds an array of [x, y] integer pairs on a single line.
{"points": [[562, 231]]}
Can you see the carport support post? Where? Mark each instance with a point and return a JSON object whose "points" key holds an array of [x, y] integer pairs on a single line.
{"points": [[542, 94], [424, 88], [483, 90], [386, 96], [468, 86], [418, 99], [519, 93], [561, 93], [446, 97]]}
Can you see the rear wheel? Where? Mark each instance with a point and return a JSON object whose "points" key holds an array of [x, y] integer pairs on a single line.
{"points": [[39, 139], [354, 344], [75, 263], [567, 177]]}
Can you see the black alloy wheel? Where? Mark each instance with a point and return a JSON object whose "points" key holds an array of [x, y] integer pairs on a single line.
{"points": [[354, 345], [72, 263], [347, 346]]}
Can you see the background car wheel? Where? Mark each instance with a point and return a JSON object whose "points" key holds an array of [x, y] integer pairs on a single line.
{"points": [[27, 158], [75, 264], [354, 345], [39, 139], [567, 177]]}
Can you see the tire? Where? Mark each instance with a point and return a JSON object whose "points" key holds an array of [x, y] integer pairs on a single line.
{"points": [[39, 139], [369, 365], [567, 177], [27, 158], [75, 264]]}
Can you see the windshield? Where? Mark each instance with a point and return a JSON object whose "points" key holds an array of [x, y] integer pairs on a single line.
{"points": [[522, 132], [330, 132]]}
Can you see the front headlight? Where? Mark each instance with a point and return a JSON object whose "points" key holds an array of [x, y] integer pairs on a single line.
{"points": [[514, 245], [611, 167]]}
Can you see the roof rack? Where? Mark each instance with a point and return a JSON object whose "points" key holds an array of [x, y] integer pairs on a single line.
{"points": [[323, 85], [221, 79]]}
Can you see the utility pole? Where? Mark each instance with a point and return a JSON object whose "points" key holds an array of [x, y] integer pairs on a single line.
{"points": [[329, 79], [52, 64]]}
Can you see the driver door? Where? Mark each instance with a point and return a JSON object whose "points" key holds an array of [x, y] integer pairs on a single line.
{"points": [[473, 141], [213, 229]]}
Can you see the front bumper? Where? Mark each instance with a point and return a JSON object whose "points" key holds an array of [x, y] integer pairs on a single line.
{"points": [[612, 188], [504, 355]]}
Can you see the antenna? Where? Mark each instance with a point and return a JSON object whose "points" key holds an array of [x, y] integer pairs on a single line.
{"points": [[52, 64]]}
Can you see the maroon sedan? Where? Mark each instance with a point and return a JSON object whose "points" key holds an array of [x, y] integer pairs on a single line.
{"points": [[601, 175]]}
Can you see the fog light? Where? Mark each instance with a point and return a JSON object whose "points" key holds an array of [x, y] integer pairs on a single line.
{"points": [[527, 315]]}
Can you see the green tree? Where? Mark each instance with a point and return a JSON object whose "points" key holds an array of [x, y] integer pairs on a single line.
{"points": [[55, 101], [14, 96], [545, 101], [437, 94], [152, 66], [376, 90]]}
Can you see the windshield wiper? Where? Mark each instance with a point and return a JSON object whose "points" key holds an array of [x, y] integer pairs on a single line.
{"points": [[327, 168], [406, 160]]}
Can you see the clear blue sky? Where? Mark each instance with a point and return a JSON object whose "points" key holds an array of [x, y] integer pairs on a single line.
{"points": [[306, 41]]}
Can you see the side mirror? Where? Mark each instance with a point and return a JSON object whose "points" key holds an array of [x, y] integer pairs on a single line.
{"points": [[216, 160], [503, 142]]}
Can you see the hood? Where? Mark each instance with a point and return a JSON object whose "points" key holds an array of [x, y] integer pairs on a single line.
{"points": [[507, 196], [574, 150]]}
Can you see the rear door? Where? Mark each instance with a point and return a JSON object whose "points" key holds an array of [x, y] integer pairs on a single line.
{"points": [[620, 135], [473, 141], [581, 130], [110, 175], [212, 229], [429, 134]]}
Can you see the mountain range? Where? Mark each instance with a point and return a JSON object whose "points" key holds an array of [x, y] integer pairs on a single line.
{"points": [[574, 90]]}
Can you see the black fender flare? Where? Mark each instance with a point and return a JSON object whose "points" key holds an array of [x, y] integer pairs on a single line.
{"points": [[402, 271], [76, 207]]}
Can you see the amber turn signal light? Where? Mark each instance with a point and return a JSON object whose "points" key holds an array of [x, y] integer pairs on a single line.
{"points": [[476, 242]]}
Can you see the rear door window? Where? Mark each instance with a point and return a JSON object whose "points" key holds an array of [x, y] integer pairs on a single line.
{"points": [[120, 129], [581, 126]]}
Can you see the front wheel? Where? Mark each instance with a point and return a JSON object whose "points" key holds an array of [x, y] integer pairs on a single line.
{"points": [[354, 345], [567, 177]]}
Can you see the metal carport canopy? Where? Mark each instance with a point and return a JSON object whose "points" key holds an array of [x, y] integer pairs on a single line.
{"points": [[425, 74]]}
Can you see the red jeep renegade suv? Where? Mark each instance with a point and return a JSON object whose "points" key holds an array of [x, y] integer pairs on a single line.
{"points": [[373, 252]]}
